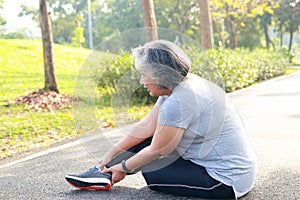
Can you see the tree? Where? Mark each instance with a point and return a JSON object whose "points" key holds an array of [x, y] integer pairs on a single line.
{"points": [[235, 14], [179, 15], [46, 29], [67, 16], [27, 11], [250, 35], [78, 38], [2, 20], [150, 20], [114, 16], [288, 16], [265, 22], [206, 25], [265, 12], [230, 14]]}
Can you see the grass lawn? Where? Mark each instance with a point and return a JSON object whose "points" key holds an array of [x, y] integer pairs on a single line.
{"points": [[290, 70], [21, 72]]}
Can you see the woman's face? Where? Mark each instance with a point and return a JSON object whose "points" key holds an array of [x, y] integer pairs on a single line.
{"points": [[152, 86]]}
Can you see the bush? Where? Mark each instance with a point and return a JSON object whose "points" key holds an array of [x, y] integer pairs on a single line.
{"points": [[237, 69], [13, 35], [118, 78], [231, 70]]}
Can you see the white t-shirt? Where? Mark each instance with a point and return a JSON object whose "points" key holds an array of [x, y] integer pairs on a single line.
{"points": [[215, 136]]}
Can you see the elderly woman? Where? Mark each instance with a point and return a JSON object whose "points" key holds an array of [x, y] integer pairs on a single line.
{"points": [[193, 142]]}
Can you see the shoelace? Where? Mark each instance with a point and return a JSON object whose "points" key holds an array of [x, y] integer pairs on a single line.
{"points": [[92, 169]]}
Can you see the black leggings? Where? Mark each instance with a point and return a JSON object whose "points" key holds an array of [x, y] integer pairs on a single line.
{"points": [[173, 174]]}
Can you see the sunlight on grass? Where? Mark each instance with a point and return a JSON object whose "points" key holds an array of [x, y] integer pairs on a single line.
{"points": [[108, 117], [22, 72], [22, 67], [290, 70]]}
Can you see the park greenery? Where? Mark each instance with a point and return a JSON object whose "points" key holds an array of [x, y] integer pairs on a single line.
{"points": [[22, 128], [249, 47], [249, 24]]}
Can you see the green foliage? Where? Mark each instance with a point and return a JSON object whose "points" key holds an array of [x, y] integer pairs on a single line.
{"points": [[249, 35], [2, 20], [288, 18], [179, 15], [240, 68], [233, 21], [13, 35], [78, 38], [113, 71], [231, 69], [66, 16], [63, 29], [22, 72], [115, 16], [122, 68]]}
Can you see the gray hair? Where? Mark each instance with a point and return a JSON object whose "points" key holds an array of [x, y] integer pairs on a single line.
{"points": [[166, 62]]}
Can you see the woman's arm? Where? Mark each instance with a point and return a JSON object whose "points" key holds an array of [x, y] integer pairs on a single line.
{"points": [[144, 129], [164, 142]]}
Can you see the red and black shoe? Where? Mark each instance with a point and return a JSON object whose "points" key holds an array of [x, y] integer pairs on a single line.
{"points": [[90, 180]]}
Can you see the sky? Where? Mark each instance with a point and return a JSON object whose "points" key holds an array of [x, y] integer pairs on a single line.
{"points": [[10, 11]]}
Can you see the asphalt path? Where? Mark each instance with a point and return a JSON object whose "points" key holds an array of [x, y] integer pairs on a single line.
{"points": [[271, 111]]}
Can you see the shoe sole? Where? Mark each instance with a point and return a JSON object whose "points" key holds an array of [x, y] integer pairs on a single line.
{"points": [[87, 186]]}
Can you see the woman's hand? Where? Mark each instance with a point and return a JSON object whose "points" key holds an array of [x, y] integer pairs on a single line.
{"points": [[108, 157], [118, 173], [105, 160]]}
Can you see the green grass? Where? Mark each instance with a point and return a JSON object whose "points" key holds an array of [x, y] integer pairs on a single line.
{"points": [[21, 72], [290, 70], [296, 63], [22, 67]]}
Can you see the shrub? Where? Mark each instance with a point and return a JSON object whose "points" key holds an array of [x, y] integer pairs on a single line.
{"points": [[13, 35], [232, 70], [119, 77], [240, 68]]}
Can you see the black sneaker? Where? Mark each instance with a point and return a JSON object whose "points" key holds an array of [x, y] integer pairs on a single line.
{"points": [[90, 180]]}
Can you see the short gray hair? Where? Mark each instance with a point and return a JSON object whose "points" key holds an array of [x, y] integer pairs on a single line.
{"points": [[164, 60]]}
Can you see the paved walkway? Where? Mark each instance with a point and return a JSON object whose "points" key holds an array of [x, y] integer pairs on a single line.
{"points": [[271, 111]]}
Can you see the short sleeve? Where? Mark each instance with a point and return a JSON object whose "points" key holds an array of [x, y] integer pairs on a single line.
{"points": [[175, 113], [161, 100]]}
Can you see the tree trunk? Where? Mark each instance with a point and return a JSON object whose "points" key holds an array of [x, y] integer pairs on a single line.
{"points": [[281, 37], [220, 32], [267, 38], [150, 20], [291, 40], [233, 41], [46, 29], [232, 35], [206, 25]]}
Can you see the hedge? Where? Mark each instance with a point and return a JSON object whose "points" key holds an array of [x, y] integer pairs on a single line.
{"points": [[232, 70], [237, 69]]}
